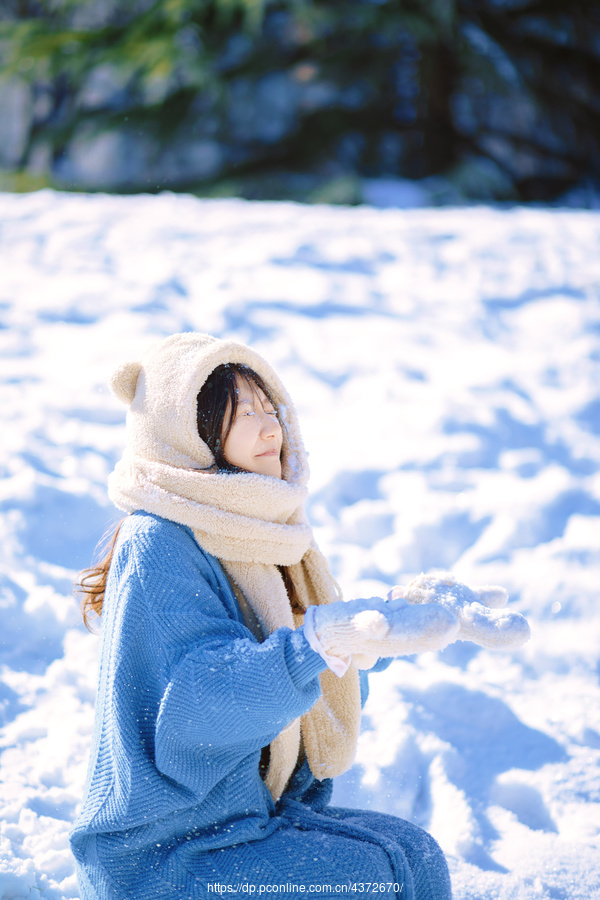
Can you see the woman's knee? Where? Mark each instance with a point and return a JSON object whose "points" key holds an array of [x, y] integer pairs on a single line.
{"points": [[427, 862], [423, 854]]}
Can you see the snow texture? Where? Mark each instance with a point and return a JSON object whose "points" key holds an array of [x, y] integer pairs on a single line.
{"points": [[445, 366], [479, 611]]}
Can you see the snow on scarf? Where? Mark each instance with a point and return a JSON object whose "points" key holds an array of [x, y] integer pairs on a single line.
{"points": [[251, 523]]}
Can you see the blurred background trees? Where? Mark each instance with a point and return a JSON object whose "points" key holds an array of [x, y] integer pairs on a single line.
{"points": [[310, 99]]}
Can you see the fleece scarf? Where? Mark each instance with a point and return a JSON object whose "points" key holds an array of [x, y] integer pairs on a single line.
{"points": [[251, 523]]}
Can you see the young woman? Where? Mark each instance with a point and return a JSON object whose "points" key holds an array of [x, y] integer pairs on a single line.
{"points": [[229, 691]]}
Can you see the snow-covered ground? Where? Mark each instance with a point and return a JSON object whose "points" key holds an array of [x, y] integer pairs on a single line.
{"points": [[446, 368]]}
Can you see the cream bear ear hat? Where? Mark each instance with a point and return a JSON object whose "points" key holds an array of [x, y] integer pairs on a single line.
{"points": [[161, 390]]}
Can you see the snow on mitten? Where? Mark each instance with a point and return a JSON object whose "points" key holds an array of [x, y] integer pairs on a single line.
{"points": [[479, 610], [368, 629]]}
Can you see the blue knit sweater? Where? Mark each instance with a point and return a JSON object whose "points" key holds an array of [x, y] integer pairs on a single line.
{"points": [[187, 699]]}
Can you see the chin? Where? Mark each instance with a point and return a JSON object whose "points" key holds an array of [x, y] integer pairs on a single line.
{"points": [[269, 466], [274, 471]]}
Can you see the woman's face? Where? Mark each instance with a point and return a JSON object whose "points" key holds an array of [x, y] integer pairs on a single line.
{"points": [[255, 438]]}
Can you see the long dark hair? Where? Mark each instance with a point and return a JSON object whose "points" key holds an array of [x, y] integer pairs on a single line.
{"points": [[217, 394], [91, 583]]}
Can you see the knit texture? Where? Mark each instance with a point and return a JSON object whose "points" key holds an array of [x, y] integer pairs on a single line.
{"points": [[251, 523], [187, 699], [380, 628]]}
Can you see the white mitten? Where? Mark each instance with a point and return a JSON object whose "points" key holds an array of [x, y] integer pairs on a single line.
{"points": [[479, 610], [369, 629]]}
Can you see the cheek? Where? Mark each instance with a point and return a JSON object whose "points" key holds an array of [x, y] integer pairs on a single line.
{"points": [[242, 436]]}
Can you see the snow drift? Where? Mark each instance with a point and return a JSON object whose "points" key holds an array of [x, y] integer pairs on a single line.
{"points": [[445, 366]]}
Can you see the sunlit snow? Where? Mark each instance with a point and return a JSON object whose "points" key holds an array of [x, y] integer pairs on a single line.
{"points": [[446, 369]]}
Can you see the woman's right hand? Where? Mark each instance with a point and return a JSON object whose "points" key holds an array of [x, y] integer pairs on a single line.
{"points": [[480, 610]]}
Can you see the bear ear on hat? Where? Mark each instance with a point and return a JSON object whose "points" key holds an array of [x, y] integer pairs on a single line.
{"points": [[124, 381]]}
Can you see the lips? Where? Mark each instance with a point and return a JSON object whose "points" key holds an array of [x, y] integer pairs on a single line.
{"points": [[269, 453]]}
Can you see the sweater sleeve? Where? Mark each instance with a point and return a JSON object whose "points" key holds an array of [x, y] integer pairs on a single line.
{"points": [[224, 691]]}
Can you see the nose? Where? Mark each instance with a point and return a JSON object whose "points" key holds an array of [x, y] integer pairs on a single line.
{"points": [[269, 426]]}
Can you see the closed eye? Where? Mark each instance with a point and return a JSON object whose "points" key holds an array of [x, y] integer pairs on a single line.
{"points": [[268, 412]]}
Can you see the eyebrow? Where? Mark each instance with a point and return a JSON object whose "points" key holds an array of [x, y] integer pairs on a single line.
{"points": [[265, 400]]}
